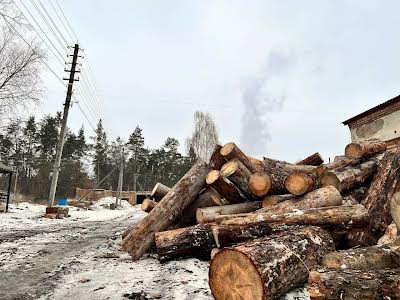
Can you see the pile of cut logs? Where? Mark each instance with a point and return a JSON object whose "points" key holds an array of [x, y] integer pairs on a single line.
{"points": [[270, 226]]}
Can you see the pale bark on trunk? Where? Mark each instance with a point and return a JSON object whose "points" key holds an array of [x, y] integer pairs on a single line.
{"points": [[208, 214], [159, 191]]}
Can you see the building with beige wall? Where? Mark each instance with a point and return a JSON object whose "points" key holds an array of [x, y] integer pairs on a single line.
{"points": [[380, 122]]}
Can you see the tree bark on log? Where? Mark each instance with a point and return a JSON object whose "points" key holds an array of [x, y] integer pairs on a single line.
{"points": [[273, 164], [326, 216], [159, 191], [238, 174], [217, 160], [224, 187], [357, 194], [167, 211], [208, 214], [231, 151], [226, 235], [381, 191], [354, 285], [358, 237], [312, 160], [365, 258], [259, 184], [193, 241], [395, 209], [365, 148], [147, 205], [339, 162], [391, 235], [267, 268], [300, 183], [271, 200], [349, 177]]}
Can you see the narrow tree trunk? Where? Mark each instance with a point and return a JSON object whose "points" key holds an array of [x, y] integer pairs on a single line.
{"points": [[225, 235], [349, 177], [312, 160], [267, 268], [231, 151], [365, 148], [275, 199], [159, 191], [381, 191], [148, 205], [208, 214], [193, 241], [166, 212], [224, 187], [259, 184], [217, 160], [300, 183], [325, 216], [238, 174], [354, 285]]}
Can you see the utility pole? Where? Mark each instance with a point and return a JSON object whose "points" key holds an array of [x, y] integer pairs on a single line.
{"points": [[61, 139], [120, 178]]}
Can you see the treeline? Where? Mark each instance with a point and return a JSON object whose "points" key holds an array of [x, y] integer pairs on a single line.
{"points": [[30, 147]]}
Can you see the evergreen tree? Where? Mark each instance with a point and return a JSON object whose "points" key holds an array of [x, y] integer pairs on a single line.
{"points": [[101, 163]]}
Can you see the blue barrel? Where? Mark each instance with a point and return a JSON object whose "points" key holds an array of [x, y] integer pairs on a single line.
{"points": [[62, 201]]}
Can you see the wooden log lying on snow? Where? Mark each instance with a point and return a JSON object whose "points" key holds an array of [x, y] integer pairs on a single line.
{"points": [[381, 191], [275, 199], [365, 258], [225, 235], [354, 285], [351, 176], [325, 216], [300, 183], [232, 151], [147, 205], [159, 191], [166, 212], [217, 160], [193, 241], [267, 268], [365, 148], [224, 187], [238, 174], [259, 184], [208, 214], [312, 160]]}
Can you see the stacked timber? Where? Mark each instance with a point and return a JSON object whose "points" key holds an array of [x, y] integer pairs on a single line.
{"points": [[270, 225]]}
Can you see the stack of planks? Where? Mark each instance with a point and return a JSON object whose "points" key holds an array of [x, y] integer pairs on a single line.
{"points": [[270, 226]]}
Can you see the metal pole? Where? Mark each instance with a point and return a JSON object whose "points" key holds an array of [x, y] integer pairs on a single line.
{"points": [[60, 144]]}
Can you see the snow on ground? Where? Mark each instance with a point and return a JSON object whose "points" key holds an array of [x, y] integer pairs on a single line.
{"points": [[80, 258]]}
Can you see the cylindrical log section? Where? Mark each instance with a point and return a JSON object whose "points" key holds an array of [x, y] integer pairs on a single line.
{"points": [[193, 241], [217, 160], [215, 251], [147, 205], [226, 235], [167, 211], [224, 187], [354, 285], [395, 209], [159, 191], [349, 177], [312, 160], [267, 268], [259, 184], [238, 174], [275, 199], [356, 216], [365, 148], [231, 151], [208, 214], [300, 183]]}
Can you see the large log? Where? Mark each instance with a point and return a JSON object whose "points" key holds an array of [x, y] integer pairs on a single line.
{"points": [[273, 164], [312, 160], [354, 285], [147, 205], [395, 209], [391, 234], [337, 216], [259, 184], [300, 183], [225, 235], [381, 191], [267, 268], [365, 258], [193, 241], [224, 187], [217, 160], [339, 162], [166, 211], [351, 176], [232, 151], [238, 174], [159, 191], [365, 148], [208, 214], [275, 199]]}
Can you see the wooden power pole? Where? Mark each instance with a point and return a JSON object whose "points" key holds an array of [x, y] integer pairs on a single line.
{"points": [[120, 178], [61, 139]]}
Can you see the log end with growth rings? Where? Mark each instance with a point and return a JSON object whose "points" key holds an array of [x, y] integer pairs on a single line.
{"points": [[227, 149], [329, 178], [298, 184], [259, 184], [212, 176], [233, 275], [230, 167], [353, 150]]}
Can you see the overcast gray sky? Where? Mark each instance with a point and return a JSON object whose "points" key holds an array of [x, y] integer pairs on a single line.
{"points": [[279, 77]]}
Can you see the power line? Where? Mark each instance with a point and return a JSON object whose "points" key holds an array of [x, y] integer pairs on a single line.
{"points": [[60, 19], [69, 25]]}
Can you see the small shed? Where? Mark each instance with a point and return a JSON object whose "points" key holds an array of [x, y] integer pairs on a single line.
{"points": [[8, 171], [381, 122]]}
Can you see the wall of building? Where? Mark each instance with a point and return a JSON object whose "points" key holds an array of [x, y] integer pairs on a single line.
{"points": [[97, 194], [384, 128]]}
